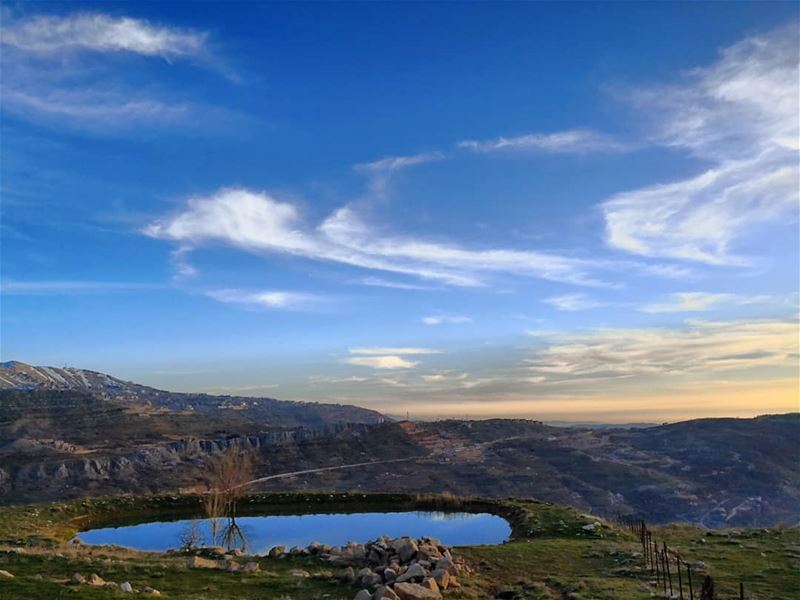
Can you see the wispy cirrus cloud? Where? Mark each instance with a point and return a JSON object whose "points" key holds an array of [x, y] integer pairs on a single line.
{"points": [[572, 302], [740, 114], [380, 172], [256, 222], [270, 299], [698, 348], [700, 301], [56, 70], [102, 33], [571, 141]]}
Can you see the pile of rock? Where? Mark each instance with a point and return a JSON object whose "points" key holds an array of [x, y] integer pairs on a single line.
{"points": [[391, 569]]}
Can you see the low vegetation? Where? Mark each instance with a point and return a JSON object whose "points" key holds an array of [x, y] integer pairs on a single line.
{"points": [[552, 554]]}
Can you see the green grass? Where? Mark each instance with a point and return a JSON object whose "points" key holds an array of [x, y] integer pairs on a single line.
{"points": [[551, 556]]}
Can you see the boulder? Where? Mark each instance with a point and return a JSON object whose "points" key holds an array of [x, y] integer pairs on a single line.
{"points": [[442, 578], [216, 551], [251, 567], [198, 562], [389, 575], [232, 566], [406, 548], [126, 587], [5, 574], [347, 575], [276, 551], [428, 551], [77, 579], [95, 579], [384, 592], [447, 565], [414, 572], [151, 590], [363, 595], [413, 591], [430, 583], [299, 573], [371, 580]]}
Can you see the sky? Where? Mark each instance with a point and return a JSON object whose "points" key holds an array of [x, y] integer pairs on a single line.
{"points": [[579, 211]]}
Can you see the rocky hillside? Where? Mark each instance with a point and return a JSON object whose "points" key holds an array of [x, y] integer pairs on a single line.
{"points": [[66, 434], [262, 412]]}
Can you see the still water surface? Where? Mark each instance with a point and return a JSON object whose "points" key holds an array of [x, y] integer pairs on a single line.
{"points": [[259, 534]]}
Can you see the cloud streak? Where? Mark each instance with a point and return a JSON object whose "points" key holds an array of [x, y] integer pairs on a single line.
{"points": [[572, 141], [256, 222], [740, 114], [102, 33], [270, 299]]}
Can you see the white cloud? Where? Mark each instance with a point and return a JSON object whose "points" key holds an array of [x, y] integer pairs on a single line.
{"points": [[700, 301], [702, 347], [572, 302], [740, 114], [380, 172], [93, 105], [572, 141], [403, 351], [256, 222], [398, 285], [688, 302], [102, 33], [446, 320], [381, 362], [265, 299]]}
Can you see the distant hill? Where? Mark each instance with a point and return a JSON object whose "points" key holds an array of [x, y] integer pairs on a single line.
{"points": [[261, 412], [67, 433]]}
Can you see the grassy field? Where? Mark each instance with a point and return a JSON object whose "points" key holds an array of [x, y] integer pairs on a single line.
{"points": [[550, 555]]}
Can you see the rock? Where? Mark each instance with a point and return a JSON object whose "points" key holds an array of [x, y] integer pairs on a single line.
{"points": [[412, 591], [363, 595], [216, 551], [442, 578], [406, 549], [415, 571], [347, 575], [232, 566], [151, 590], [389, 575], [236, 552], [198, 562], [77, 579], [252, 567], [296, 551], [276, 551], [448, 565], [299, 573], [427, 551], [95, 579], [314, 547], [430, 583], [589, 527], [384, 592], [126, 587], [5, 574], [371, 580]]}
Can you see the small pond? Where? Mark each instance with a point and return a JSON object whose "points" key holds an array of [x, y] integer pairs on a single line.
{"points": [[258, 534]]}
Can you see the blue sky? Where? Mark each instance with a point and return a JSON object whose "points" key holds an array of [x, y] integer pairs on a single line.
{"points": [[543, 210]]}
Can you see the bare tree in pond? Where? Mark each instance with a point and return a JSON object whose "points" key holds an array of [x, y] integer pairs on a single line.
{"points": [[227, 475]]}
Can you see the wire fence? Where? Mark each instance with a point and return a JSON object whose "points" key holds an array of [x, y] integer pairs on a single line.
{"points": [[675, 577]]}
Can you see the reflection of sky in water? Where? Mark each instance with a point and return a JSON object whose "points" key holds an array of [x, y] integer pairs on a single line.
{"points": [[453, 529]]}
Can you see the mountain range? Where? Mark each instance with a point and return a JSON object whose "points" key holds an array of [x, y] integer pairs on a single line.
{"points": [[71, 432]]}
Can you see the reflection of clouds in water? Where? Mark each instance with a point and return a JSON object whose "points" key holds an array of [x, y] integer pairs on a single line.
{"points": [[261, 533], [443, 516]]}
